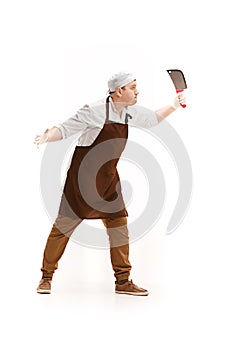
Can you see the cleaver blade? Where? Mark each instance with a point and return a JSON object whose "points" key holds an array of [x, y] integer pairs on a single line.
{"points": [[178, 79]]}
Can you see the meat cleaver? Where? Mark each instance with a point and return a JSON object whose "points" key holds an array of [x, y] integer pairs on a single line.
{"points": [[178, 80]]}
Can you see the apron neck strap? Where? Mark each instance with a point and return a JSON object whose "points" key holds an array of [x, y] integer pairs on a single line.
{"points": [[107, 110]]}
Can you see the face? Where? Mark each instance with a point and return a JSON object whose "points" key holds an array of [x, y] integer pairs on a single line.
{"points": [[129, 94]]}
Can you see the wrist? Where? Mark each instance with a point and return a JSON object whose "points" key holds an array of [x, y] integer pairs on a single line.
{"points": [[174, 107], [46, 135]]}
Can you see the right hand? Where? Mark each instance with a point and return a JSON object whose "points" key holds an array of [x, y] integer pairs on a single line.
{"points": [[40, 139], [178, 101]]}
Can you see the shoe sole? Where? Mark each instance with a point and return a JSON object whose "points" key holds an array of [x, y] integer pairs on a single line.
{"points": [[132, 293], [43, 291]]}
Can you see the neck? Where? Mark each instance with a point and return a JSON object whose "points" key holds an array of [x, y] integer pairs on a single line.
{"points": [[118, 105]]}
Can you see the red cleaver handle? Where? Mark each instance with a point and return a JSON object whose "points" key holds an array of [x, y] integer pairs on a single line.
{"points": [[178, 91]]}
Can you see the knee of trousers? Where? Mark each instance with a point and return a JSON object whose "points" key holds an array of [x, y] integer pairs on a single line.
{"points": [[115, 222], [117, 231], [66, 225]]}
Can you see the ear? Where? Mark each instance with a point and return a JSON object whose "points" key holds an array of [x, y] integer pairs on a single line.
{"points": [[118, 92]]}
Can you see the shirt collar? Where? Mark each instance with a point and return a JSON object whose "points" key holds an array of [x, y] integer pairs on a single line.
{"points": [[115, 110]]}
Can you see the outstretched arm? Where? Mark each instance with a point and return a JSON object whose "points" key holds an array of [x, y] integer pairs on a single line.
{"points": [[50, 135], [78, 122], [165, 111]]}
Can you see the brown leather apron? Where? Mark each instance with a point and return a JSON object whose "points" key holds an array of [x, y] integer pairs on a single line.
{"points": [[92, 188]]}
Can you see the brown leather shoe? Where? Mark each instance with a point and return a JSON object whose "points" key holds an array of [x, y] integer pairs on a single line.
{"points": [[44, 286], [130, 288]]}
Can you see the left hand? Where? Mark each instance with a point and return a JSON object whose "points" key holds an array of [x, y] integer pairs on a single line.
{"points": [[40, 139], [178, 100]]}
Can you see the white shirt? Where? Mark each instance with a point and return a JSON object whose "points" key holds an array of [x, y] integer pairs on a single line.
{"points": [[90, 119]]}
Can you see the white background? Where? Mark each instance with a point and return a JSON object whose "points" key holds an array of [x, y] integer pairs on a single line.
{"points": [[58, 55]]}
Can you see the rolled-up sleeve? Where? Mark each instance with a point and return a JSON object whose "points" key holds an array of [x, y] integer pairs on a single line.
{"points": [[76, 123], [142, 117]]}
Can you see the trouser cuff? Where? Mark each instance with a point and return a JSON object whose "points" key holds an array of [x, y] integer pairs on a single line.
{"points": [[122, 281], [47, 275]]}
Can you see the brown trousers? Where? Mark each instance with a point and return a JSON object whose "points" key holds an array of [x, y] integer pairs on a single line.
{"points": [[64, 227]]}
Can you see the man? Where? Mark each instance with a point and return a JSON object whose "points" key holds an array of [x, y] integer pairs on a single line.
{"points": [[92, 188]]}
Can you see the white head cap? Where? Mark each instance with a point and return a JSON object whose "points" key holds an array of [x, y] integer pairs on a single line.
{"points": [[119, 80]]}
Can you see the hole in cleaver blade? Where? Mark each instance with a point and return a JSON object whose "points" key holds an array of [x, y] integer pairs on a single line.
{"points": [[178, 79]]}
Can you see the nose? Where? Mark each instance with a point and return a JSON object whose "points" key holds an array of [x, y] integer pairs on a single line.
{"points": [[136, 92]]}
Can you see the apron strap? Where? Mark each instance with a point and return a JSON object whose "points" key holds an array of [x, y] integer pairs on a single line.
{"points": [[107, 110]]}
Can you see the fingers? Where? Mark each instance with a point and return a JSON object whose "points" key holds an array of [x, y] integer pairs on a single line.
{"points": [[39, 139], [181, 99]]}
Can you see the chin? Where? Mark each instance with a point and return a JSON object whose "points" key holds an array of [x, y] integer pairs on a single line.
{"points": [[133, 102]]}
